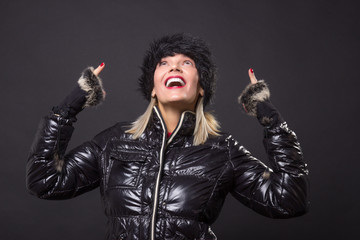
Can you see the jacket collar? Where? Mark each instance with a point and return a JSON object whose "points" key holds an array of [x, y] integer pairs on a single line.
{"points": [[185, 127]]}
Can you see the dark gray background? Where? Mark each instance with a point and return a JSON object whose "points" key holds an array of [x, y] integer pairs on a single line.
{"points": [[308, 51]]}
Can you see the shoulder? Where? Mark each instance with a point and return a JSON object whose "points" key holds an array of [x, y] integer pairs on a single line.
{"points": [[227, 140], [117, 131], [223, 139]]}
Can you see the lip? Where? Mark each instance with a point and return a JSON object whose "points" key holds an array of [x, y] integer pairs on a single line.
{"points": [[175, 86]]}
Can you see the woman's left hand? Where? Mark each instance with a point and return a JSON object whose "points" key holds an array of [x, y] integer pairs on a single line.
{"points": [[253, 79]]}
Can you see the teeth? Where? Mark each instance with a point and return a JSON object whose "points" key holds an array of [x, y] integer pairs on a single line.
{"points": [[172, 80]]}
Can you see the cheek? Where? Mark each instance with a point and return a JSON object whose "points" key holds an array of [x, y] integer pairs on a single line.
{"points": [[157, 78], [156, 73], [197, 81], [196, 76]]}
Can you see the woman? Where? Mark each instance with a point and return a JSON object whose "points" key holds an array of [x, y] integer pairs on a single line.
{"points": [[166, 175]]}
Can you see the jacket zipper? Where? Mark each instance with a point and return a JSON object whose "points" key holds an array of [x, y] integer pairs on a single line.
{"points": [[162, 150]]}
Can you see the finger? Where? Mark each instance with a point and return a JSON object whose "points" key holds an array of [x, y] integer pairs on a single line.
{"points": [[253, 79], [98, 70]]}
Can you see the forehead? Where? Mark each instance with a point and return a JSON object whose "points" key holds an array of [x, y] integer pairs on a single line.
{"points": [[177, 56]]}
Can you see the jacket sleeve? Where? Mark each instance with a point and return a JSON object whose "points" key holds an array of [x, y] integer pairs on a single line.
{"points": [[52, 174], [280, 190]]}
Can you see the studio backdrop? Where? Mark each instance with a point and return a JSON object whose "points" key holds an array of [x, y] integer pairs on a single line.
{"points": [[307, 51]]}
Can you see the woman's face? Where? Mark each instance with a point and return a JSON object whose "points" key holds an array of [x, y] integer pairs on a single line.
{"points": [[176, 82]]}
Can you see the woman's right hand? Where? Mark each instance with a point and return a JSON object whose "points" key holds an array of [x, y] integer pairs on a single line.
{"points": [[97, 72]]}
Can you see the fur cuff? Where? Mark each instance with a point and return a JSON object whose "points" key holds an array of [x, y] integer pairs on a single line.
{"points": [[91, 84], [253, 94]]}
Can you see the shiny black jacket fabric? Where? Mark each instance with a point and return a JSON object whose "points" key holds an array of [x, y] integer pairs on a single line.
{"points": [[167, 187]]}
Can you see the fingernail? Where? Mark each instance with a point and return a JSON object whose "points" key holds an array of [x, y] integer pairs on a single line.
{"points": [[251, 70], [102, 64]]}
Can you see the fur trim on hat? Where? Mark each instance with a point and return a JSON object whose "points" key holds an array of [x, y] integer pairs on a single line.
{"points": [[91, 84], [252, 94], [181, 43]]}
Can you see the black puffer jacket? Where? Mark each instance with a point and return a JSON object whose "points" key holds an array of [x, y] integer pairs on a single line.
{"points": [[156, 187]]}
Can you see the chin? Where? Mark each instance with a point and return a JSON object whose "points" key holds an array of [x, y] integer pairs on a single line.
{"points": [[182, 104]]}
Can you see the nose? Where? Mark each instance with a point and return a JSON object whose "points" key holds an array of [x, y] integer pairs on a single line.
{"points": [[175, 68]]}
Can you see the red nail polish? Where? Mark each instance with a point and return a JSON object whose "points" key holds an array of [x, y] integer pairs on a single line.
{"points": [[251, 70], [102, 64]]}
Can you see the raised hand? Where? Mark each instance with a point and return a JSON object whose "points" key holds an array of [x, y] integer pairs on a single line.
{"points": [[98, 70], [253, 79]]}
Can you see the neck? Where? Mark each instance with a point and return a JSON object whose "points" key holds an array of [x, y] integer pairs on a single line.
{"points": [[171, 116]]}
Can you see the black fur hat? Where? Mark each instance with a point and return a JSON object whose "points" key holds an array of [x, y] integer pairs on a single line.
{"points": [[193, 47]]}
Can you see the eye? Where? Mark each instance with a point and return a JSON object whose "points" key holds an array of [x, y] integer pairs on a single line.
{"points": [[162, 63], [188, 62]]}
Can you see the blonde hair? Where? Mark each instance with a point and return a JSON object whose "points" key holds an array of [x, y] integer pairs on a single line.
{"points": [[206, 124]]}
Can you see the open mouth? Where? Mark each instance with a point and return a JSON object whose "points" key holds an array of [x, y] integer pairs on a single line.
{"points": [[175, 82]]}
